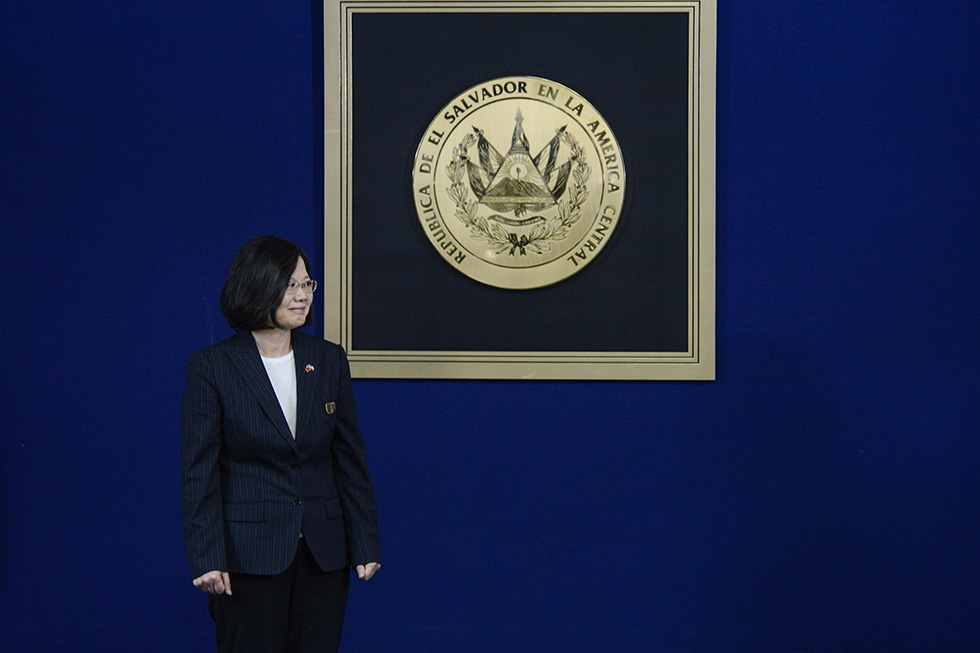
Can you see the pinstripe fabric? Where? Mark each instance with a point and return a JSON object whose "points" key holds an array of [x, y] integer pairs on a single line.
{"points": [[249, 487]]}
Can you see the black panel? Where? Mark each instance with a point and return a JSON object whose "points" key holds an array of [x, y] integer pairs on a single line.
{"points": [[633, 69]]}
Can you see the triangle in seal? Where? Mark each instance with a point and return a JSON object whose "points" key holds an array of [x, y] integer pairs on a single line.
{"points": [[518, 185]]}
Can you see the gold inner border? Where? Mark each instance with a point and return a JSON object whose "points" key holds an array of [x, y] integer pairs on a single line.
{"points": [[698, 363]]}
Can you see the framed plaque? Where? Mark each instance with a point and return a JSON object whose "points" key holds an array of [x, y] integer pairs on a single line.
{"points": [[520, 190]]}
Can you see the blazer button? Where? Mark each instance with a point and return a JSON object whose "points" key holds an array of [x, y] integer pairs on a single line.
{"points": [[293, 465], [297, 502]]}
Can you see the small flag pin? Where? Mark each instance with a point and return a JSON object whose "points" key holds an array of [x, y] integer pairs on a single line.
{"points": [[309, 368]]}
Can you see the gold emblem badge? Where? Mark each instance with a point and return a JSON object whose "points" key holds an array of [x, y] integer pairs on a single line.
{"points": [[519, 182], [331, 407]]}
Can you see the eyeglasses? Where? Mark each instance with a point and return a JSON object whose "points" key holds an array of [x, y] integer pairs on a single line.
{"points": [[307, 286]]}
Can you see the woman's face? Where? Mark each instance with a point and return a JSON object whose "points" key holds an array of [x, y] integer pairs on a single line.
{"points": [[294, 308]]}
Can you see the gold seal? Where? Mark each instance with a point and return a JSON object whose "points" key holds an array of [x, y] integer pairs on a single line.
{"points": [[518, 182]]}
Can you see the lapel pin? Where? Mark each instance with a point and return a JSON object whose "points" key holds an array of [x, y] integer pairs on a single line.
{"points": [[331, 406], [309, 368]]}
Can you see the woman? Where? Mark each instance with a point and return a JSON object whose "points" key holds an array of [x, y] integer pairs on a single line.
{"points": [[277, 500]]}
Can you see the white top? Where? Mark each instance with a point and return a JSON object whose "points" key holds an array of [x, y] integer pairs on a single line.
{"points": [[282, 373]]}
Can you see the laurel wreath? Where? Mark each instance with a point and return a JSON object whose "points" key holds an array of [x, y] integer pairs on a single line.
{"points": [[540, 239]]}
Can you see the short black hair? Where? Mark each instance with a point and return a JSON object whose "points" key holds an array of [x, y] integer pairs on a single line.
{"points": [[257, 282]]}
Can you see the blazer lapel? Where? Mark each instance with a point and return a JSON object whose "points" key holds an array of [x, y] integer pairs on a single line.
{"points": [[305, 383], [245, 357]]}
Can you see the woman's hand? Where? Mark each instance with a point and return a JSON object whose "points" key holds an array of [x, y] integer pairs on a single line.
{"points": [[215, 583], [364, 572]]}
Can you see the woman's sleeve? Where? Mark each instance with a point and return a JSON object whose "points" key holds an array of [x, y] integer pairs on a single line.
{"points": [[351, 474], [200, 425]]}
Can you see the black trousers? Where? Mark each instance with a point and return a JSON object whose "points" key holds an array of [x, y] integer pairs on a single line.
{"points": [[300, 610]]}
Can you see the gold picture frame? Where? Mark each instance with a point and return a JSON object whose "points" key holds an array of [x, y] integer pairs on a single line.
{"points": [[400, 310]]}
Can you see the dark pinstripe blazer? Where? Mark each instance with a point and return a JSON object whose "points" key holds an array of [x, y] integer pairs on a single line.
{"points": [[249, 487]]}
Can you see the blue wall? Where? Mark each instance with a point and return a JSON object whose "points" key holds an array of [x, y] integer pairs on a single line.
{"points": [[821, 495]]}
